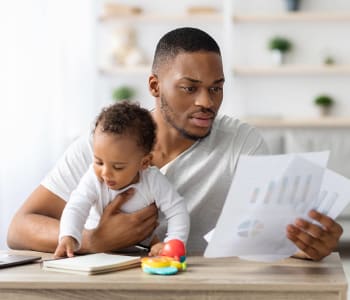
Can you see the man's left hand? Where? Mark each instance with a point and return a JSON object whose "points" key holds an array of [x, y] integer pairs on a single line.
{"points": [[315, 241]]}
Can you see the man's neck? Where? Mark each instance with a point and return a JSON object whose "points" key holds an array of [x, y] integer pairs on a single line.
{"points": [[170, 143]]}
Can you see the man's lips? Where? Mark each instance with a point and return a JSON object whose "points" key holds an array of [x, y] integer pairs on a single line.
{"points": [[203, 115], [202, 119]]}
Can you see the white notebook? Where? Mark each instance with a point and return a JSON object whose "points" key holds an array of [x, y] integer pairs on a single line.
{"points": [[92, 263]]}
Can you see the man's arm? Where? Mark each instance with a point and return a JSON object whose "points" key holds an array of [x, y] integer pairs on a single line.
{"points": [[36, 225]]}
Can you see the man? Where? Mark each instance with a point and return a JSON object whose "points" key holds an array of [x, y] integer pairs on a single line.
{"points": [[196, 149]]}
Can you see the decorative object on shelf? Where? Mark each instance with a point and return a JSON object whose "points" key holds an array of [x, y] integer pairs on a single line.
{"points": [[125, 51], [279, 47], [325, 103], [200, 9], [123, 92], [292, 5], [117, 9], [329, 60]]}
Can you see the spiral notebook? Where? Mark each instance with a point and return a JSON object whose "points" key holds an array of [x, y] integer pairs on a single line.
{"points": [[92, 264]]}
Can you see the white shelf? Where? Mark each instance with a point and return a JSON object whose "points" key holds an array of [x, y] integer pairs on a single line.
{"points": [[292, 70], [146, 17], [293, 17], [121, 70], [326, 122]]}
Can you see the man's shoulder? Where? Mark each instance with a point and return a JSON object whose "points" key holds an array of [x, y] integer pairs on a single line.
{"points": [[226, 126], [230, 124], [228, 132], [151, 173]]}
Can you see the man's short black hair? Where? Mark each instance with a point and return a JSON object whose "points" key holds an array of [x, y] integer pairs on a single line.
{"points": [[180, 40]]}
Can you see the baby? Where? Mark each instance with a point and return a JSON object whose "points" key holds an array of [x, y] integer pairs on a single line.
{"points": [[123, 138]]}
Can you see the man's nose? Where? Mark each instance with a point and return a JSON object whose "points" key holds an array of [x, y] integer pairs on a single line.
{"points": [[204, 99]]}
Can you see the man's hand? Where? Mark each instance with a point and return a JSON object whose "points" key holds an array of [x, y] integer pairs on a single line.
{"points": [[118, 230], [315, 241]]}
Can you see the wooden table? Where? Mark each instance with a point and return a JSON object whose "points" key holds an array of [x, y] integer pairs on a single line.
{"points": [[224, 278]]}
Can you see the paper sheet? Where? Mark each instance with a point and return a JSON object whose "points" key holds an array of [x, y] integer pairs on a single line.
{"points": [[267, 194]]}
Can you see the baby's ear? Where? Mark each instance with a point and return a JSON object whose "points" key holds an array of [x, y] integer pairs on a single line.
{"points": [[146, 161]]}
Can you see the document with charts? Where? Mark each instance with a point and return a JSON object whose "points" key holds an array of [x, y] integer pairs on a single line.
{"points": [[267, 194]]}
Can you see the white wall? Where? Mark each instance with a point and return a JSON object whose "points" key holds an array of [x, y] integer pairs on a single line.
{"points": [[47, 94]]}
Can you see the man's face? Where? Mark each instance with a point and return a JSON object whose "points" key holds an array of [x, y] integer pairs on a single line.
{"points": [[190, 92]]}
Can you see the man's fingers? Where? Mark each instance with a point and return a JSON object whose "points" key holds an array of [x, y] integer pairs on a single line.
{"points": [[144, 226], [313, 229], [118, 201], [316, 240], [148, 212], [328, 223], [310, 245]]}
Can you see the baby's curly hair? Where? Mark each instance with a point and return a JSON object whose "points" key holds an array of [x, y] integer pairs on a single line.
{"points": [[127, 118]]}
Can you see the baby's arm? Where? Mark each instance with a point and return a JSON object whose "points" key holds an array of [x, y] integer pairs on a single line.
{"points": [[174, 208], [76, 212], [156, 246]]}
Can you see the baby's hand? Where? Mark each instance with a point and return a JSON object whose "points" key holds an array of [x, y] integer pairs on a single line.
{"points": [[66, 247], [156, 249]]}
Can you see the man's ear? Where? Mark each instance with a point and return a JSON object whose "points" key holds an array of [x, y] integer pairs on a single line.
{"points": [[153, 85], [146, 161]]}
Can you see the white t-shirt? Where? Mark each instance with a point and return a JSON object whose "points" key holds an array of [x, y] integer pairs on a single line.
{"points": [[153, 186], [202, 174]]}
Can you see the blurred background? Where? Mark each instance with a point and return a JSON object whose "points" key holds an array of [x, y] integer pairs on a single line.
{"points": [[287, 68]]}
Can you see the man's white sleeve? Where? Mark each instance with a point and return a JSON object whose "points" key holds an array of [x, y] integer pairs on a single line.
{"points": [[66, 174]]}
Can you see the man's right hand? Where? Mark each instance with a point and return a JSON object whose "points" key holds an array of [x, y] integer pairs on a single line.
{"points": [[117, 230]]}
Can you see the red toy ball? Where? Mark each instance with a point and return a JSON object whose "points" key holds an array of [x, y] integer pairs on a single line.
{"points": [[174, 248]]}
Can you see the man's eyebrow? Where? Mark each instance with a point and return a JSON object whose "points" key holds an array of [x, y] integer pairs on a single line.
{"points": [[221, 80], [191, 79]]}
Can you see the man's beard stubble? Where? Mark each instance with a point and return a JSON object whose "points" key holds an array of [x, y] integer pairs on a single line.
{"points": [[167, 112]]}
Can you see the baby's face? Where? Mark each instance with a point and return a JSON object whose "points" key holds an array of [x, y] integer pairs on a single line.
{"points": [[117, 159]]}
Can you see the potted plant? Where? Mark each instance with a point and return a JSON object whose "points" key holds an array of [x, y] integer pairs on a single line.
{"points": [[325, 103], [329, 60], [279, 46], [292, 5], [123, 93]]}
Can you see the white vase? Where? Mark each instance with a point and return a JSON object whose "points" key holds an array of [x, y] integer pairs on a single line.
{"points": [[325, 111], [278, 57]]}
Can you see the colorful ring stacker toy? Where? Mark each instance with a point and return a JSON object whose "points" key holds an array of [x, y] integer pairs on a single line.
{"points": [[171, 260]]}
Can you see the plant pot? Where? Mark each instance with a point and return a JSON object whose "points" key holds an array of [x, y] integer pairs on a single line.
{"points": [[325, 111], [278, 57], [292, 5]]}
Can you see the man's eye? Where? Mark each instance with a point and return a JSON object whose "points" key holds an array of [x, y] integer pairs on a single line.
{"points": [[189, 89], [216, 89]]}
